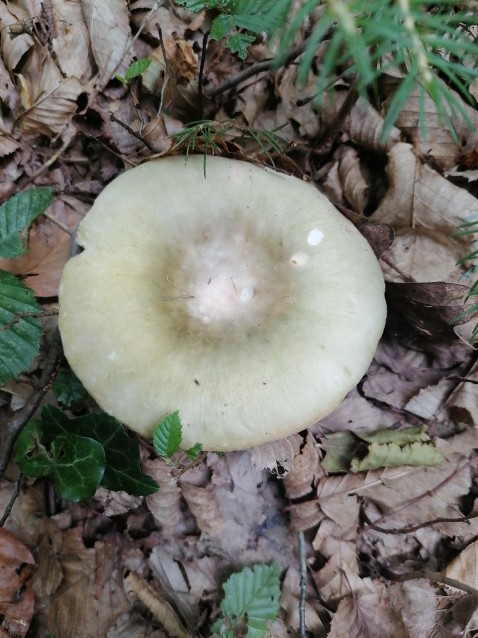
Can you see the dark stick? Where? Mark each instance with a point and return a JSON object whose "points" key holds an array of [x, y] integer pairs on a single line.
{"points": [[201, 75], [13, 429]]}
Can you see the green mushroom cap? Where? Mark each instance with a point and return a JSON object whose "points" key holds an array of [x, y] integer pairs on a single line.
{"points": [[243, 298]]}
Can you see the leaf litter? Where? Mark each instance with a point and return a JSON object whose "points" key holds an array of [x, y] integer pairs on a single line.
{"points": [[120, 565]]}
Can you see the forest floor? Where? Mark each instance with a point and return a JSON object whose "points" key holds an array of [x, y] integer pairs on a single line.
{"points": [[381, 546]]}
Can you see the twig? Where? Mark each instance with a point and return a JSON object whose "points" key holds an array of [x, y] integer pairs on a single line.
{"points": [[138, 136], [254, 69], [435, 576], [11, 502], [201, 76], [303, 585], [13, 429]]}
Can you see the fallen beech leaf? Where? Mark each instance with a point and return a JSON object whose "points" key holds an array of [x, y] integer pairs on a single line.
{"points": [[16, 591], [48, 99], [354, 182], [108, 25], [438, 142], [277, 456], [430, 307], [425, 210], [14, 19], [71, 40], [464, 567]]}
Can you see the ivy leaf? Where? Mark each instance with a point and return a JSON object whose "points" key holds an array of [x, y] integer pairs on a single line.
{"points": [[20, 329], [31, 456], [68, 388], [167, 436], [251, 596], [79, 466], [16, 214], [123, 471]]}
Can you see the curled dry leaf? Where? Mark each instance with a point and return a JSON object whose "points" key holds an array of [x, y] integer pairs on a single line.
{"points": [[431, 308], [354, 180], [16, 592], [277, 456], [438, 142], [15, 20], [204, 507], [464, 567], [165, 504], [425, 210], [305, 472], [159, 608], [70, 39], [367, 615], [48, 100], [108, 26]]}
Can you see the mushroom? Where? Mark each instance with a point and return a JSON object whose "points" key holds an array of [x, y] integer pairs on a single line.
{"points": [[243, 298]]}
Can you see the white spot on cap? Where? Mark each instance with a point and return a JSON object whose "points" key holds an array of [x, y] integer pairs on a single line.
{"points": [[247, 293], [299, 259], [112, 356], [315, 237]]}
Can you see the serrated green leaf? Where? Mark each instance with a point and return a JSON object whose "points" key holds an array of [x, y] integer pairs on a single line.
{"points": [[137, 68], [167, 436], [31, 456], [68, 388], [123, 471], [16, 214], [221, 26], [194, 451], [20, 329], [339, 448], [399, 437], [252, 595], [239, 43], [392, 455], [79, 466]]}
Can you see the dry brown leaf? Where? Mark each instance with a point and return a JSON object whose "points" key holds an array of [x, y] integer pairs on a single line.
{"points": [[416, 601], [161, 610], [109, 30], [339, 576], [204, 507], [306, 470], [436, 140], [367, 615], [165, 504], [70, 39], [16, 591], [48, 100], [8, 92], [462, 404], [16, 20], [289, 601], [277, 456], [464, 567], [354, 181], [425, 210], [304, 116]]}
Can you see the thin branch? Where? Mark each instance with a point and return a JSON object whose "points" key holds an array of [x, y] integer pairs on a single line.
{"points": [[435, 576], [254, 69], [201, 76], [11, 502], [21, 418], [135, 134], [303, 585]]}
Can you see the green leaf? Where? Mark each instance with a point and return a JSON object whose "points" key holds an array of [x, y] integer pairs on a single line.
{"points": [[221, 26], [239, 43], [31, 456], [251, 597], [194, 451], [68, 388], [20, 329], [339, 448], [381, 455], [167, 436], [137, 68], [123, 471], [79, 466], [16, 214]]}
